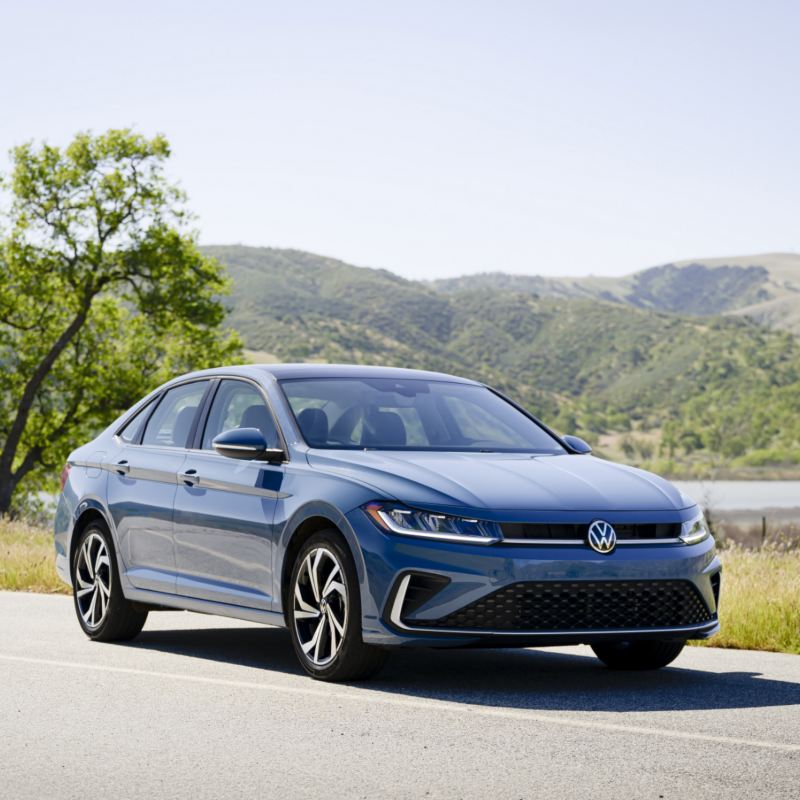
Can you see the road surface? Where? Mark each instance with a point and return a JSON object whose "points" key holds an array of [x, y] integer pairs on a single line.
{"points": [[204, 707]]}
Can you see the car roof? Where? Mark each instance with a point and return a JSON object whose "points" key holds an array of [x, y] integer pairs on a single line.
{"points": [[288, 371]]}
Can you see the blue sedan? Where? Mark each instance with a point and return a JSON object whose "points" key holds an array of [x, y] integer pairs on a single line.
{"points": [[368, 507]]}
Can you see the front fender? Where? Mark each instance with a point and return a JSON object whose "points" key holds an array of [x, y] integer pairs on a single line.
{"points": [[316, 509]]}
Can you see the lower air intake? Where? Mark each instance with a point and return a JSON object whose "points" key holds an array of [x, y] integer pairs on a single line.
{"points": [[580, 606]]}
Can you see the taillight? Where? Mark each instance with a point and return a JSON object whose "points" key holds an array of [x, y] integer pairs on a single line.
{"points": [[64, 475]]}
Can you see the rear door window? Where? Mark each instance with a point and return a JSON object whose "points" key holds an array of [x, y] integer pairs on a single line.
{"points": [[171, 423]]}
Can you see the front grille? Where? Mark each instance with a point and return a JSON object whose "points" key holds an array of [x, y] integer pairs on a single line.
{"points": [[577, 532], [580, 606]]}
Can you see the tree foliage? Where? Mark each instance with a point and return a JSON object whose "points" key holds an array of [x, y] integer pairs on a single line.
{"points": [[103, 294]]}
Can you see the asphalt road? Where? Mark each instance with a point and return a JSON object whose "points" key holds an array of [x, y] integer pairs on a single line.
{"points": [[204, 707]]}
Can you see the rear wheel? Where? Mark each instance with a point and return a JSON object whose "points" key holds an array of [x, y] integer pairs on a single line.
{"points": [[324, 612], [640, 655], [103, 612]]}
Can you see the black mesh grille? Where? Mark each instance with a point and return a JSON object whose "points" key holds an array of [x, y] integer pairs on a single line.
{"points": [[577, 532], [580, 606]]}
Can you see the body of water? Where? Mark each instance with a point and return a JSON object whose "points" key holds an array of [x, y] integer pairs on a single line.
{"points": [[742, 495]]}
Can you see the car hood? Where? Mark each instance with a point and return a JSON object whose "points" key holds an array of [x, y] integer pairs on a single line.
{"points": [[503, 481]]}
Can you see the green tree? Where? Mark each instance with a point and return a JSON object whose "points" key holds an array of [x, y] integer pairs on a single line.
{"points": [[103, 294]]}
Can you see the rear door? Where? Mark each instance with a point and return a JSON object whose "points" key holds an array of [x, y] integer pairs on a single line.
{"points": [[224, 507], [143, 481]]}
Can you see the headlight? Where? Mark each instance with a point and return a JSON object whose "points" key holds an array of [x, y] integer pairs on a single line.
{"points": [[695, 530], [431, 525]]}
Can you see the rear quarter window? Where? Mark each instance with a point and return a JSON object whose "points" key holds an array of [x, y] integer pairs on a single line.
{"points": [[132, 430]]}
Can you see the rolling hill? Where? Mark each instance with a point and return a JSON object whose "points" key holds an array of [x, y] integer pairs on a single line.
{"points": [[610, 360], [764, 287]]}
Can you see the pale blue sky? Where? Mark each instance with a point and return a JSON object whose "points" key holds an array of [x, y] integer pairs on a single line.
{"points": [[437, 138]]}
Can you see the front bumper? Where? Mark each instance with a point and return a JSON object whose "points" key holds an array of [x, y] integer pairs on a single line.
{"points": [[464, 576]]}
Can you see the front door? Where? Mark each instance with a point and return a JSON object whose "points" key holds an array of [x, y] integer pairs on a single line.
{"points": [[224, 508]]}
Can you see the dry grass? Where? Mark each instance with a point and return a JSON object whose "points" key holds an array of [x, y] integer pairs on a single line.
{"points": [[760, 606], [27, 559], [760, 603]]}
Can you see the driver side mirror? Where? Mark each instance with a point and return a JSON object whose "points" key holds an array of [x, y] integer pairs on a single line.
{"points": [[577, 445], [246, 444]]}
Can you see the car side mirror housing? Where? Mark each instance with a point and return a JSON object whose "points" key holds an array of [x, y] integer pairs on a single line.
{"points": [[577, 445], [246, 444]]}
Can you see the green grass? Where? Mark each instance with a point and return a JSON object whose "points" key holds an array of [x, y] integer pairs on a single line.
{"points": [[760, 606]]}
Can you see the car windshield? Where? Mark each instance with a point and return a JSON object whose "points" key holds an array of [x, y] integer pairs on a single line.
{"points": [[411, 414]]}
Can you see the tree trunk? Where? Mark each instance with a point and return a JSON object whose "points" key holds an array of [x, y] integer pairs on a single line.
{"points": [[7, 486], [8, 478]]}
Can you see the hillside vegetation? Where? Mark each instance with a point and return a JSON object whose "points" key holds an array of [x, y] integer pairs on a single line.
{"points": [[682, 393], [764, 287]]}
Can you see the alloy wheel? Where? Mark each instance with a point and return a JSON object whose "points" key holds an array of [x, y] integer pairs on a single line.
{"points": [[320, 606], [93, 579]]}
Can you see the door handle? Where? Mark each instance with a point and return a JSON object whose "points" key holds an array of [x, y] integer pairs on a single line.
{"points": [[122, 467], [189, 477]]}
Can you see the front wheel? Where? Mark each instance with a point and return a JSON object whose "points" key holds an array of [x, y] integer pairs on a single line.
{"points": [[103, 612], [324, 612], [640, 655]]}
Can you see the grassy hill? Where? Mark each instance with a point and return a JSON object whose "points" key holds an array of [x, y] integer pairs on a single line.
{"points": [[764, 287], [684, 393], [301, 306]]}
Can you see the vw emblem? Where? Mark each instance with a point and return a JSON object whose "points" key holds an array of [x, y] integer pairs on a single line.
{"points": [[602, 537]]}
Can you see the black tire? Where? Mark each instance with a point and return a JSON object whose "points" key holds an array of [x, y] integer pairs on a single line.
{"points": [[641, 655], [121, 620], [353, 660]]}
